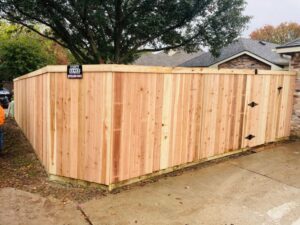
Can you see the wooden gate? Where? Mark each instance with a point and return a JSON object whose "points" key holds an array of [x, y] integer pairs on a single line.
{"points": [[268, 109]]}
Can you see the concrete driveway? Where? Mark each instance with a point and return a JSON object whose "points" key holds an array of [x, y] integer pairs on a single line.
{"points": [[23, 208], [261, 188]]}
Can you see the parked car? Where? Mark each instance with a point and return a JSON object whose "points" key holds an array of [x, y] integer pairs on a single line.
{"points": [[5, 97]]}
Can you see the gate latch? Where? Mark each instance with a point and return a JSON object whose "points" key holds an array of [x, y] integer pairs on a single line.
{"points": [[250, 137], [253, 104]]}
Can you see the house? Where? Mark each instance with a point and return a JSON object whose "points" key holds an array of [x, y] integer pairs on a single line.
{"points": [[172, 58], [292, 49], [243, 54]]}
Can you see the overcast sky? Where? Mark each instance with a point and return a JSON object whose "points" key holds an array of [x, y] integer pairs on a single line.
{"points": [[271, 12]]}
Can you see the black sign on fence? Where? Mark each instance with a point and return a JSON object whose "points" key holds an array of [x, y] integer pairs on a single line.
{"points": [[74, 72]]}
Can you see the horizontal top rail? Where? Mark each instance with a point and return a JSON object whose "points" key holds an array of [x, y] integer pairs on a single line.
{"points": [[153, 69]]}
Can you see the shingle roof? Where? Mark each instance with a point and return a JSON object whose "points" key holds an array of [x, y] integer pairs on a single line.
{"points": [[291, 44], [164, 59], [264, 50]]}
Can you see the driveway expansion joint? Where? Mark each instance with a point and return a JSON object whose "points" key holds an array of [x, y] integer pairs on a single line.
{"points": [[264, 175], [85, 216]]}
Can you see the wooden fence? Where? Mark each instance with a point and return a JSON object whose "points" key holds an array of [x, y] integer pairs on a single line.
{"points": [[124, 122]]}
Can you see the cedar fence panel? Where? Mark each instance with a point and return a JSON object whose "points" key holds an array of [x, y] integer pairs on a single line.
{"points": [[119, 123]]}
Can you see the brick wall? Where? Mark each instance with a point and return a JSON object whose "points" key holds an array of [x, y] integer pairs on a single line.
{"points": [[295, 65], [244, 62]]}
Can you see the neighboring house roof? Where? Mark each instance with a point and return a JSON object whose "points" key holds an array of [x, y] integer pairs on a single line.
{"points": [[261, 50], [289, 48], [165, 59], [291, 44]]}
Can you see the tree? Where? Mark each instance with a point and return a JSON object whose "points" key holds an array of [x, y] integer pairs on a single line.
{"points": [[280, 34], [60, 54], [116, 31], [20, 56], [9, 31], [22, 51]]}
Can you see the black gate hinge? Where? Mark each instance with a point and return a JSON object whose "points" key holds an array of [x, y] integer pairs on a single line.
{"points": [[250, 137], [252, 104]]}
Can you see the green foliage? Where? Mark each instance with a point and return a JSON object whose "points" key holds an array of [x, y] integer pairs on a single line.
{"points": [[23, 51], [8, 31], [106, 31], [20, 56]]}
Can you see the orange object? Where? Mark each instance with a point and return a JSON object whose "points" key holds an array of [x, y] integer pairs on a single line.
{"points": [[2, 116]]}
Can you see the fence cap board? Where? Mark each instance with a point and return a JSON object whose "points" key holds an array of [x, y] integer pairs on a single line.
{"points": [[152, 69]]}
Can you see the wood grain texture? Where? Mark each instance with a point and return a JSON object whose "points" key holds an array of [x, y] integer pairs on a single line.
{"points": [[121, 123]]}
